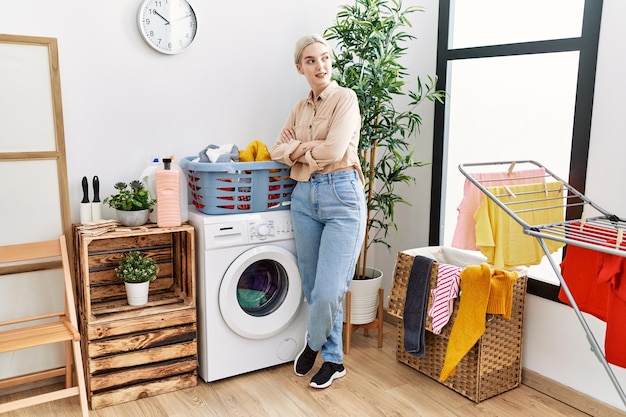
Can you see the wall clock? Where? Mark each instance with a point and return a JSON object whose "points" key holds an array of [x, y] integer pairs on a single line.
{"points": [[168, 26]]}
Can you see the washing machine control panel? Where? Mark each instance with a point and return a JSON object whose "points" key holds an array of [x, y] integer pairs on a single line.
{"points": [[270, 229]]}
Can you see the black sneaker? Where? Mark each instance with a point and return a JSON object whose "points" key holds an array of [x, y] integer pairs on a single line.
{"points": [[327, 374], [304, 362]]}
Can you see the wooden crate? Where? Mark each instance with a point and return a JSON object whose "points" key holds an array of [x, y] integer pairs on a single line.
{"points": [[492, 366], [131, 352]]}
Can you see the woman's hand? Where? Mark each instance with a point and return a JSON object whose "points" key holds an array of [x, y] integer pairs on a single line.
{"points": [[305, 147], [288, 134]]}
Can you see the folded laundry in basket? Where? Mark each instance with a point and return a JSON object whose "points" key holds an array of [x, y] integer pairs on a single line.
{"points": [[255, 151], [219, 153], [258, 151], [415, 306]]}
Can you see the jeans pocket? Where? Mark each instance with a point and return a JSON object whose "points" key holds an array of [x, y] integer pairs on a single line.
{"points": [[348, 192]]}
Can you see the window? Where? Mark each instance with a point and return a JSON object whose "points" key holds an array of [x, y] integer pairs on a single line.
{"points": [[520, 76]]}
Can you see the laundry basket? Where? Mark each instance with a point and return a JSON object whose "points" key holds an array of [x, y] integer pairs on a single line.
{"points": [[494, 364], [238, 187]]}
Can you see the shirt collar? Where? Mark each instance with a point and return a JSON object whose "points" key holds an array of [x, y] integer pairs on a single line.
{"points": [[330, 88]]}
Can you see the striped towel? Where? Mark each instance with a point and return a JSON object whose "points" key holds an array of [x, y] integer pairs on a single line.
{"points": [[443, 295]]}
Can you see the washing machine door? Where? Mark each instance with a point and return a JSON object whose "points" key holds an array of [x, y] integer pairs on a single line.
{"points": [[261, 292]]}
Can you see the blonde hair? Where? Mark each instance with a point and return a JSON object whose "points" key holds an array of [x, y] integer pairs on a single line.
{"points": [[305, 41]]}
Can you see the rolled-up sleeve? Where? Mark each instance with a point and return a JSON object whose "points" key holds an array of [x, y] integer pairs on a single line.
{"points": [[281, 150], [333, 118]]}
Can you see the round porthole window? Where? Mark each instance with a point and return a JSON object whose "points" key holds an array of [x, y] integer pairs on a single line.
{"points": [[261, 293], [262, 287]]}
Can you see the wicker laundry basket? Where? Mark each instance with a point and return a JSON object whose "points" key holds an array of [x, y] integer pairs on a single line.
{"points": [[494, 364]]}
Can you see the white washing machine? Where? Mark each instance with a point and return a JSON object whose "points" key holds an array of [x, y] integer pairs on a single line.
{"points": [[251, 310]]}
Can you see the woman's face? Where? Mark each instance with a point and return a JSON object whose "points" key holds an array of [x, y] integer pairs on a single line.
{"points": [[316, 66]]}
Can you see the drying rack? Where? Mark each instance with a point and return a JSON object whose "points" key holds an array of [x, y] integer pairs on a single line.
{"points": [[604, 235]]}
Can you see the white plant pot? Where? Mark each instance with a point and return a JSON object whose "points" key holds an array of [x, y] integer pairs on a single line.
{"points": [[364, 297], [137, 292], [133, 218]]}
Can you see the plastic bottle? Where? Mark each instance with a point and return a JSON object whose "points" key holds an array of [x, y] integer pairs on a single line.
{"points": [[183, 189], [148, 180], [168, 196]]}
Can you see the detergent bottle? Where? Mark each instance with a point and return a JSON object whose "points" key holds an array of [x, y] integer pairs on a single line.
{"points": [[168, 195], [148, 179], [183, 190]]}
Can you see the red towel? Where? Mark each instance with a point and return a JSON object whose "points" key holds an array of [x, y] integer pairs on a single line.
{"points": [[580, 270], [597, 281], [613, 271]]}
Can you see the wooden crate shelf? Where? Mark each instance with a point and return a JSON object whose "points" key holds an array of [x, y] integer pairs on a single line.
{"points": [[133, 352]]}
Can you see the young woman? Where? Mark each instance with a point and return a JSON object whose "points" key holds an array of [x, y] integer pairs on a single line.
{"points": [[319, 141]]}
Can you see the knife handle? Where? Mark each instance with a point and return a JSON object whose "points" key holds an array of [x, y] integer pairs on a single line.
{"points": [[96, 189], [85, 191]]}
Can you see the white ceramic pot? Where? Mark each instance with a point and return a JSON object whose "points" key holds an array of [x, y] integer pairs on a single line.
{"points": [[133, 218], [137, 292], [364, 297]]}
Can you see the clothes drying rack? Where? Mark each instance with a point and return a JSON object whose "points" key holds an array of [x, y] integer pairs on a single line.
{"points": [[605, 233]]}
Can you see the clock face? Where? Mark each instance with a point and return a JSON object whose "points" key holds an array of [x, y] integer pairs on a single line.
{"points": [[169, 26]]}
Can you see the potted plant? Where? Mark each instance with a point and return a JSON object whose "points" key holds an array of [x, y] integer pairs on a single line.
{"points": [[132, 203], [136, 270], [370, 42]]}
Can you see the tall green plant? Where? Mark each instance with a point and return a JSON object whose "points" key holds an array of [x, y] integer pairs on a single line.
{"points": [[370, 41]]}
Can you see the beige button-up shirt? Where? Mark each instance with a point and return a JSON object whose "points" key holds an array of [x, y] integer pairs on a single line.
{"points": [[334, 118]]}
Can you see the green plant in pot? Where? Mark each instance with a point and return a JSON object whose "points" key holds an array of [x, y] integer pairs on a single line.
{"points": [[132, 202], [136, 270], [370, 41]]}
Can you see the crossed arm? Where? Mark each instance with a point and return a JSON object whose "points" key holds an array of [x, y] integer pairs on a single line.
{"points": [[289, 134]]}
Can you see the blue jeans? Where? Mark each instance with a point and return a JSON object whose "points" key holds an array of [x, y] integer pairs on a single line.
{"points": [[329, 215]]}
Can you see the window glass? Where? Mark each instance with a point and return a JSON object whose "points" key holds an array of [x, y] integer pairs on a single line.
{"points": [[508, 108], [496, 22]]}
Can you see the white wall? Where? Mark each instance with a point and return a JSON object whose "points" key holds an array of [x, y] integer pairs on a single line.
{"points": [[125, 104]]}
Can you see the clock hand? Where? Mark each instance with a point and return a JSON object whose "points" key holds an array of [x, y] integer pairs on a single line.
{"points": [[167, 22], [181, 18]]}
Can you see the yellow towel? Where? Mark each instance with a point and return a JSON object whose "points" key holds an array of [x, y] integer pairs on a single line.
{"points": [[255, 151], [469, 324], [483, 291], [498, 235]]}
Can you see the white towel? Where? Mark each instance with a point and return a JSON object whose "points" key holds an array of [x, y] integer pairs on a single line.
{"points": [[221, 153]]}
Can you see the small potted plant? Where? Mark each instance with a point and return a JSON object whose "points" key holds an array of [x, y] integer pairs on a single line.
{"points": [[136, 270], [132, 203]]}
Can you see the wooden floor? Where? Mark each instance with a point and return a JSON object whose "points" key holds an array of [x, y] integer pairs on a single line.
{"points": [[375, 385]]}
